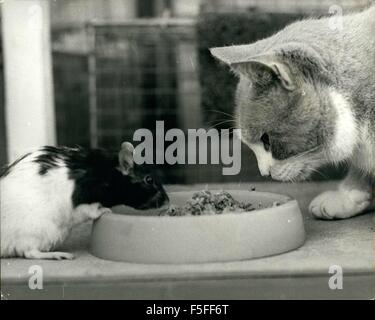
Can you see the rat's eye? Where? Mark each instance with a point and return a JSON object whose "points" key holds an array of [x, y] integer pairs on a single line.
{"points": [[265, 138], [148, 180]]}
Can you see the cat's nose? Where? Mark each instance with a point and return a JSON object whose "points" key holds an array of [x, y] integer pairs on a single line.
{"points": [[265, 172], [264, 168], [264, 159]]}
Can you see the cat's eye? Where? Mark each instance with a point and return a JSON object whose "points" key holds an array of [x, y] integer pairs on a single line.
{"points": [[265, 138], [148, 180]]}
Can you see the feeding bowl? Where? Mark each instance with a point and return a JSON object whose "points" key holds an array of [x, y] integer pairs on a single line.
{"points": [[145, 237]]}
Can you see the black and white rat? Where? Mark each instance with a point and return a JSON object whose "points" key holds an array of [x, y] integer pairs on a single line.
{"points": [[47, 192]]}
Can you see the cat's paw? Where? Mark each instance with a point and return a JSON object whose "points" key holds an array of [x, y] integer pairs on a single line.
{"points": [[340, 204]]}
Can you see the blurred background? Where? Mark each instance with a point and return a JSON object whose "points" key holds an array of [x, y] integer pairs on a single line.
{"points": [[120, 65]]}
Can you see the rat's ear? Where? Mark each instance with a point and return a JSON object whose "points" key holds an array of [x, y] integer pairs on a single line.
{"points": [[263, 70], [125, 157]]}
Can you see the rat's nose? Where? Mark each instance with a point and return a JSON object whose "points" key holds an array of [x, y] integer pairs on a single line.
{"points": [[164, 201]]}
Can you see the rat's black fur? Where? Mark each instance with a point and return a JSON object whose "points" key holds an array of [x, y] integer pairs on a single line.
{"points": [[98, 178]]}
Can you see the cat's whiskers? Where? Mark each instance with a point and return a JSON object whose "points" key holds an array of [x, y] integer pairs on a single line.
{"points": [[302, 154], [222, 112], [300, 166], [319, 172], [220, 123]]}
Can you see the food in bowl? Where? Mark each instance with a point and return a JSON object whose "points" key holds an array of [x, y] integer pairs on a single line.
{"points": [[206, 202]]}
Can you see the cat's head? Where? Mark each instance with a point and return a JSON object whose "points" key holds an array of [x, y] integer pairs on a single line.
{"points": [[287, 110]]}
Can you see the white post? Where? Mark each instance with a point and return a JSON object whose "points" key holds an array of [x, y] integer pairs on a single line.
{"points": [[29, 108]]}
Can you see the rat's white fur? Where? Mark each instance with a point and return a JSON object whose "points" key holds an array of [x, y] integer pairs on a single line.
{"points": [[36, 211]]}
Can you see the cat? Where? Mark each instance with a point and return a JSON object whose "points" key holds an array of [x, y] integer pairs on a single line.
{"points": [[306, 98]]}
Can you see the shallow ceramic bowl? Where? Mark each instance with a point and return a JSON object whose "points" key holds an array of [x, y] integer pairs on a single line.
{"points": [[150, 238]]}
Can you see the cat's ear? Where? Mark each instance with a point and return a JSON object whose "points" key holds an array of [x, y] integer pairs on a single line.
{"points": [[263, 70], [231, 54]]}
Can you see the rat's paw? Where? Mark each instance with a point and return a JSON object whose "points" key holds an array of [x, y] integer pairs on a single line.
{"points": [[96, 211], [62, 256], [86, 212], [104, 210], [339, 204], [36, 254]]}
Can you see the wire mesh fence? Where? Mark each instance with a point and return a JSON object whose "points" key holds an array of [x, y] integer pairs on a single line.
{"points": [[138, 74]]}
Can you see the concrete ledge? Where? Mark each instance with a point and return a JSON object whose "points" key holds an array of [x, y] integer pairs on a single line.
{"points": [[302, 273]]}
